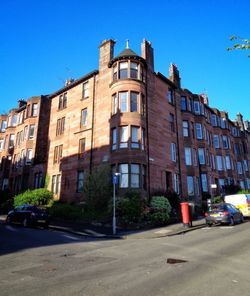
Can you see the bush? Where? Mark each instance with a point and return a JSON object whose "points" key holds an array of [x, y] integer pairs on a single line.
{"points": [[73, 212], [172, 197], [66, 211], [130, 207], [243, 191], [35, 197], [160, 209]]}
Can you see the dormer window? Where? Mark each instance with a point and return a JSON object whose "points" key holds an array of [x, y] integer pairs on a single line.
{"points": [[123, 73]]}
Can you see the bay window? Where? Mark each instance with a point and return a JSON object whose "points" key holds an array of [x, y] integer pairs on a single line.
{"points": [[123, 136], [133, 70], [123, 101], [135, 175], [134, 102], [123, 71], [123, 170], [134, 137], [114, 103]]}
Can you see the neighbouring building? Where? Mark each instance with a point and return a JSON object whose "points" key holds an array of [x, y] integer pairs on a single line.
{"points": [[24, 145], [144, 125]]}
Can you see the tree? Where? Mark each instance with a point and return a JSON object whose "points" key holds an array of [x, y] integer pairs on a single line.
{"points": [[241, 43], [98, 188]]}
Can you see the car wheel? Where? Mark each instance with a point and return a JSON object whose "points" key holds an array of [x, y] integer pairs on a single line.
{"points": [[8, 220], [242, 219], [231, 221], [25, 223]]}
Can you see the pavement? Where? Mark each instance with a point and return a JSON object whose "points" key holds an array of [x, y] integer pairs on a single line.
{"points": [[97, 230]]}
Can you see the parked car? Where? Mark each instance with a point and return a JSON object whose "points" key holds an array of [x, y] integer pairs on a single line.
{"points": [[240, 201], [28, 215], [223, 213]]}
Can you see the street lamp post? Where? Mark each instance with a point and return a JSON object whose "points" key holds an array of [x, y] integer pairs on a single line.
{"points": [[115, 181]]}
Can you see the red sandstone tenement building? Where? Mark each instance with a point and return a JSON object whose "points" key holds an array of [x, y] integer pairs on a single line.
{"points": [[157, 135]]}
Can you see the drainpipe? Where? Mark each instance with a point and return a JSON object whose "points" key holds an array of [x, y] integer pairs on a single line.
{"points": [[92, 130], [178, 149], [148, 161]]}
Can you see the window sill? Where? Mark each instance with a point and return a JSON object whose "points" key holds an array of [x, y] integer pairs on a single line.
{"points": [[85, 98], [63, 108]]}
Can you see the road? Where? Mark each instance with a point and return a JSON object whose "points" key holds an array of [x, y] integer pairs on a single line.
{"points": [[211, 261]]}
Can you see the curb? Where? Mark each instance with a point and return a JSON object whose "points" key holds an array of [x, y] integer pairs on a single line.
{"points": [[187, 230], [84, 234]]}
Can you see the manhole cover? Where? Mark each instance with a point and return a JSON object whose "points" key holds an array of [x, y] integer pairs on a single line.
{"points": [[175, 261]]}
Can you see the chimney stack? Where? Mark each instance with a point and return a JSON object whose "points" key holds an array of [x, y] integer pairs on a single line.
{"points": [[147, 52], [174, 75]]}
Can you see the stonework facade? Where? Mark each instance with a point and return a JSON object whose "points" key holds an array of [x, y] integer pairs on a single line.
{"points": [[144, 125]]}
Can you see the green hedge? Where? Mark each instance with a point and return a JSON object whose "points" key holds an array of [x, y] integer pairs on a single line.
{"points": [[160, 209], [130, 207], [35, 197]]}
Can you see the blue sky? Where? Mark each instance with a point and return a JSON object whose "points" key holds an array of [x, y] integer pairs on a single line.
{"points": [[45, 42]]}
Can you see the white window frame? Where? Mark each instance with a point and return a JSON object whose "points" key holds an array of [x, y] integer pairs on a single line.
{"points": [[173, 152], [225, 142], [85, 90], [134, 175], [246, 165], [190, 185], [176, 184], [204, 182], [239, 168], [185, 126], [214, 120], [219, 162], [197, 107], [228, 162], [216, 142], [123, 101], [114, 139], [198, 128], [135, 137], [201, 156], [124, 136], [188, 156]]}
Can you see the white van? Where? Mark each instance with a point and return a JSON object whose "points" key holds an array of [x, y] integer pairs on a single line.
{"points": [[240, 201]]}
